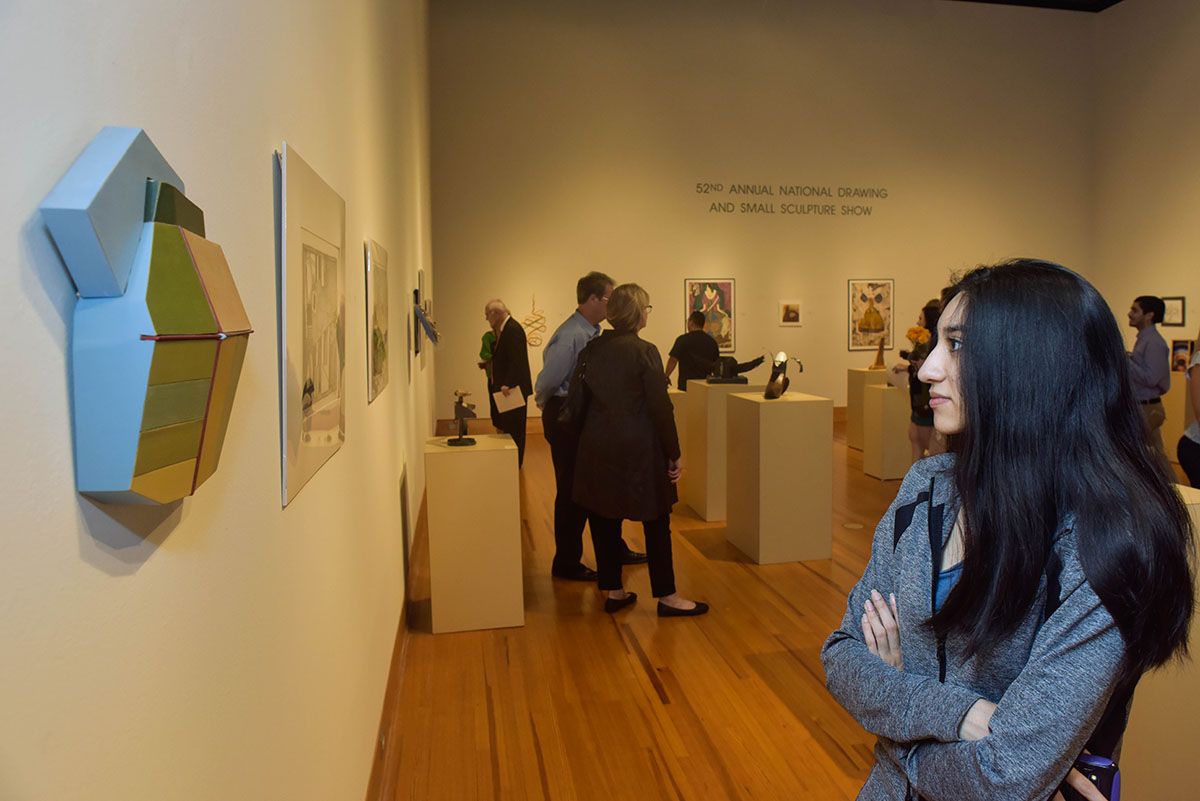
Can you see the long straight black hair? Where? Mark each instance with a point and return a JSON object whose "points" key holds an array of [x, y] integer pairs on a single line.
{"points": [[1052, 432]]}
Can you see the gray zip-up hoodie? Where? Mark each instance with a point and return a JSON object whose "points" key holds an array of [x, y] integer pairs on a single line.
{"points": [[1050, 680]]}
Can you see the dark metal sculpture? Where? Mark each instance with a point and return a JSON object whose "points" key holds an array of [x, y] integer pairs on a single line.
{"points": [[463, 411], [779, 382]]}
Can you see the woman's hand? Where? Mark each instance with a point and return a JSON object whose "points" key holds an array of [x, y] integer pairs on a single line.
{"points": [[1081, 785], [978, 721], [674, 470], [881, 632]]}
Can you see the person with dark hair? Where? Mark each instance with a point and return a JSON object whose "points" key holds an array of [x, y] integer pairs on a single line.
{"points": [[628, 452], [694, 352], [1020, 584], [510, 372], [1150, 363], [1188, 449], [920, 425], [550, 392]]}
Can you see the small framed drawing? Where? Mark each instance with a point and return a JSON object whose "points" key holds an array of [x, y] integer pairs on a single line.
{"points": [[789, 314], [714, 298], [1174, 315], [312, 299], [377, 318], [1181, 354], [870, 312]]}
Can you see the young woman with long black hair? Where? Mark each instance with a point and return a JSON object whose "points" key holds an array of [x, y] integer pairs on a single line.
{"points": [[1020, 584]]}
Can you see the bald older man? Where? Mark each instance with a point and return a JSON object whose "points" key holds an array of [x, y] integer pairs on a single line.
{"points": [[510, 371]]}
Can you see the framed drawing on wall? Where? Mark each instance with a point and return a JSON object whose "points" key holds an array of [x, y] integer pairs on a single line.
{"points": [[870, 312], [789, 314], [311, 273], [1174, 315], [714, 298], [377, 318]]}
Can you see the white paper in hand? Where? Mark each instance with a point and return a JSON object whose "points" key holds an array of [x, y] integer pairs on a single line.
{"points": [[514, 400]]}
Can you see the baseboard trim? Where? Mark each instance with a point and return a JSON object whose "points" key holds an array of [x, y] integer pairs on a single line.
{"points": [[385, 763]]}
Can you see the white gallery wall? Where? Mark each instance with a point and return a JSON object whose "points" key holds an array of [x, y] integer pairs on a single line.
{"points": [[572, 136], [222, 647], [1148, 161]]}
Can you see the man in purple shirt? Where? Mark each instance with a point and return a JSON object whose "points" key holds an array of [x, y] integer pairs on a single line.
{"points": [[1150, 363], [550, 391]]}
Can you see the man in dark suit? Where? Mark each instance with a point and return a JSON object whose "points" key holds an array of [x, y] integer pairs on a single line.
{"points": [[510, 371]]}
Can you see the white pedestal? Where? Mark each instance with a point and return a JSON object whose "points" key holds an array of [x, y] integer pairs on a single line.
{"points": [[886, 414], [679, 401], [705, 488], [1164, 724], [1177, 405], [474, 534], [857, 380], [780, 474]]}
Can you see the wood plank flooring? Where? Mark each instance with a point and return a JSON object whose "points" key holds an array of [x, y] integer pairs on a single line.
{"points": [[579, 704]]}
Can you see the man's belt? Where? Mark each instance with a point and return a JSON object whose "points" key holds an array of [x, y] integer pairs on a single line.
{"points": [[1152, 400]]}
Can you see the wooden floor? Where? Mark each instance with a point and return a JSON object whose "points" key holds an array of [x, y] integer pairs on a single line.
{"points": [[579, 704]]}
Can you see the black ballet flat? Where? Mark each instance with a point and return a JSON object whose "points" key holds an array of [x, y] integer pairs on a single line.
{"points": [[612, 605], [670, 611]]}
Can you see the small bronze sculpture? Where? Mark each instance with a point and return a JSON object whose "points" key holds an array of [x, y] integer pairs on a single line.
{"points": [[463, 412], [779, 382]]}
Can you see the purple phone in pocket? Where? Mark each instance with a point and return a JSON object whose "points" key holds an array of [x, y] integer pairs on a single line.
{"points": [[1101, 772]]}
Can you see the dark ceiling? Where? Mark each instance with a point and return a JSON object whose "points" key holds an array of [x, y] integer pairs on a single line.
{"points": [[1067, 5]]}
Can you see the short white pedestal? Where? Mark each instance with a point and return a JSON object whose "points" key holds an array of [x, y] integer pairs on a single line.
{"points": [[705, 488], [1177, 406], [857, 380], [679, 401], [780, 474], [474, 534], [886, 450], [1164, 724]]}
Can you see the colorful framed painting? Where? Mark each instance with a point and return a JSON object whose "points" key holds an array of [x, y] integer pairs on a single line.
{"points": [[1175, 312], [870, 312], [714, 297], [377, 318], [312, 322], [789, 315], [1181, 354]]}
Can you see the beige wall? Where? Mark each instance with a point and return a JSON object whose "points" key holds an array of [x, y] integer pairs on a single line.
{"points": [[570, 136], [221, 648], [1148, 161]]}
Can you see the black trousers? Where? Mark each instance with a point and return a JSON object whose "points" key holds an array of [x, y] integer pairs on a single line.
{"points": [[569, 517], [1189, 459], [513, 424], [606, 536]]}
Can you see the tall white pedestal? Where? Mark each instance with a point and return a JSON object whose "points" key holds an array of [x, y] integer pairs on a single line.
{"points": [[857, 380], [679, 402], [780, 475], [705, 488], [474, 534], [1164, 724], [886, 415]]}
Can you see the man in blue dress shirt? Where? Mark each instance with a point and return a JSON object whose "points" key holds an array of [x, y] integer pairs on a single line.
{"points": [[1150, 363], [549, 393]]}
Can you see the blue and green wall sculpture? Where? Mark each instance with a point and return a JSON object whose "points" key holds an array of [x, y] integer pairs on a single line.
{"points": [[160, 333]]}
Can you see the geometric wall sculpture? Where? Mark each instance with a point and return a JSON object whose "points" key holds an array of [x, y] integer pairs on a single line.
{"points": [[155, 366]]}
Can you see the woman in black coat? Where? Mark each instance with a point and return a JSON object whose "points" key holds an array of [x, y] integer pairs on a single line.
{"points": [[628, 460]]}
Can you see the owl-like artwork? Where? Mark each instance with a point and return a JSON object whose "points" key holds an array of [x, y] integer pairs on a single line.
{"points": [[159, 333]]}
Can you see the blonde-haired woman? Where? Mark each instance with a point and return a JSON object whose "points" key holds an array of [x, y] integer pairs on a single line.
{"points": [[628, 459]]}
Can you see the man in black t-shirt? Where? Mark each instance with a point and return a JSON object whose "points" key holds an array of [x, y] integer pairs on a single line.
{"points": [[695, 352]]}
